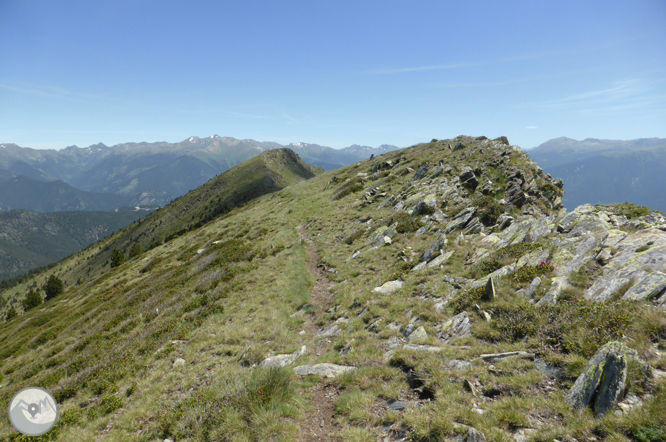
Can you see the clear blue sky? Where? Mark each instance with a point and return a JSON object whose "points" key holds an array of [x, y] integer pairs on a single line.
{"points": [[333, 73]]}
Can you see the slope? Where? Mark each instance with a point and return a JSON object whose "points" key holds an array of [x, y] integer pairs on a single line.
{"points": [[29, 240], [381, 271], [268, 172]]}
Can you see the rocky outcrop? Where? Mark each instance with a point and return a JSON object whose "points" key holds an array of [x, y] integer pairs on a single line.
{"points": [[283, 359], [460, 220], [457, 327], [604, 381]]}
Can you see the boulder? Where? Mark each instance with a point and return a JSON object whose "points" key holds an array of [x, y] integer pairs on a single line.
{"points": [[418, 335], [504, 221], [556, 287], [420, 173], [325, 370], [441, 259], [473, 226], [514, 195], [468, 179], [389, 287], [529, 291], [652, 286], [434, 248], [604, 381], [457, 364], [283, 359], [456, 327], [460, 220], [377, 237]]}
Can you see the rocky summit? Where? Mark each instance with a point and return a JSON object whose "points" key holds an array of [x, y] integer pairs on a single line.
{"points": [[435, 293]]}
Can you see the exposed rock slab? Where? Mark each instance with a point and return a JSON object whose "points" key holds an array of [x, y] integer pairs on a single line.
{"points": [[460, 220], [493, 357], [457, 327], [325, 369], [283, 359]]}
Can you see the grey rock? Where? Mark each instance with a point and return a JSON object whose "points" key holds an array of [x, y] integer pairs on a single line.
{"points": [[652, 286], [420, 173], [473, 226], [603, 382], [393, 343], [398, 405], [374, 327], [556, 287], [489, 292], [529, 291], [377, 237], [418, 208], [417, 335], [408, 330], [439, 216], [504, 221], [283, 359], [514, 195], [325, 369], [542, 227], [389, 287], [474, 435], [456, 327], [331, 331], [435, 248], [468, 179], [441, 259], [460, 220], [460, 239], [179, 362]]}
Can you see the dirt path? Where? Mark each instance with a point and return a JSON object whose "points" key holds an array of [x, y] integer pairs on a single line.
{"points": [[318, 424]]}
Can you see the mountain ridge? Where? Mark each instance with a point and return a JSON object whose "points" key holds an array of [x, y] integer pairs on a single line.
{"points": [[438, 292]]}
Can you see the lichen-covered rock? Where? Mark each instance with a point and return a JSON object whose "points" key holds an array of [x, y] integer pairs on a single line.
{"points": [[418, 335], [604, 381], [504, 221], [441, 259], [457, 327], [489, 292], [633, 260], [377, 237], [460, 220]]}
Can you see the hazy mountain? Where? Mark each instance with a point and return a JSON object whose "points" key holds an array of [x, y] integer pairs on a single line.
{"points": [[428, 294], [29, 240], [54, 196], [156, 173], [607, 171]]}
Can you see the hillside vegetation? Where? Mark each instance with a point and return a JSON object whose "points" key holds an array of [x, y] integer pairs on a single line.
{"points": [[29, 240], [356, 306]]}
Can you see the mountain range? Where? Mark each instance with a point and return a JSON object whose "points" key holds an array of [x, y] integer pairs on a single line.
{"points": [[435, 293], [607, 171], [138, 174]]}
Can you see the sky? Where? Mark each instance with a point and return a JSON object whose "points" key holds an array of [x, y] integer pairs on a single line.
{"points": [[331, 73]]}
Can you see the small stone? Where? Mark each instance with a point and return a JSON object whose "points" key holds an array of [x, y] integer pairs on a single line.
{"points": [[331, 331], [387, 240], [408, 330], [398, 405], [179, 362]]}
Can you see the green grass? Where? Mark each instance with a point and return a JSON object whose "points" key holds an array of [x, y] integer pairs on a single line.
{"points": [[225, 295]]}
